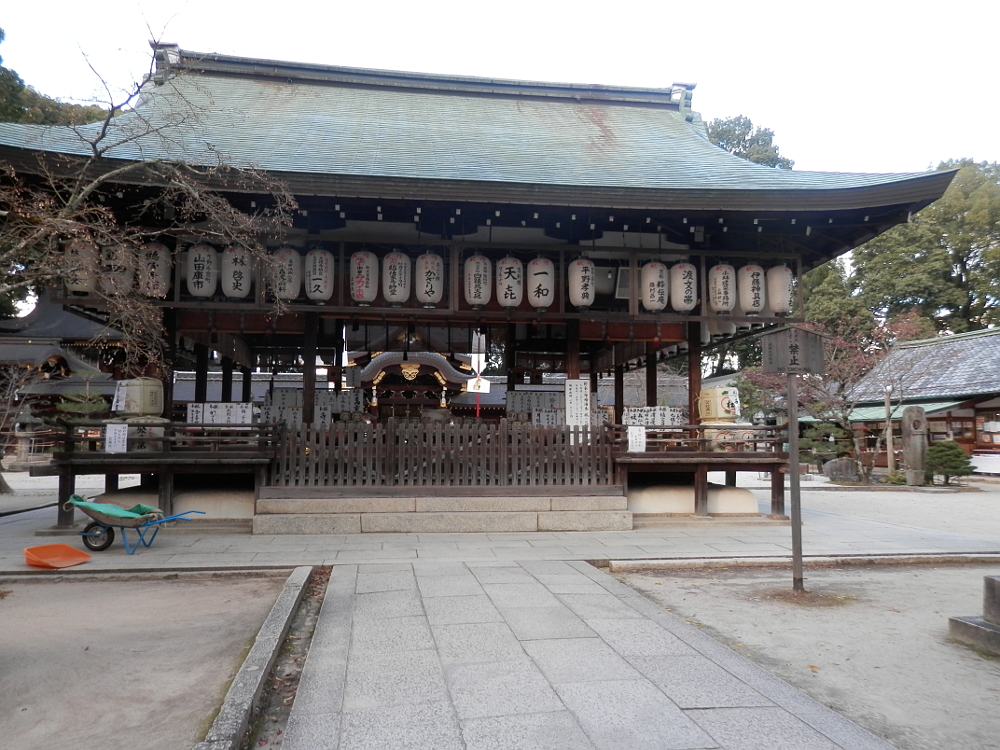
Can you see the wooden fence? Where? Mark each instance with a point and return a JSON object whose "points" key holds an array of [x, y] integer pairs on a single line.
{"points": [[407, 454]]}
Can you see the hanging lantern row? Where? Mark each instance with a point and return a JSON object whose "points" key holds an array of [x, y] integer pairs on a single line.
{"points": [[109, 269], [750, 290]]}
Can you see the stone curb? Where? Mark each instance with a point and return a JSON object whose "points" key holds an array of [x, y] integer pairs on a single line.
{"points": [[624, 566], [233, 719]]}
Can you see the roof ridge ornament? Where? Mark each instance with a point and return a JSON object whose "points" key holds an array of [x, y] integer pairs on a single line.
{"points": [[683, 93]]}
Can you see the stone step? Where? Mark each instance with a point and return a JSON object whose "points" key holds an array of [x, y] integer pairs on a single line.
{"points": [[982, 632], [447, 522], [325, 492], [445, 504]]}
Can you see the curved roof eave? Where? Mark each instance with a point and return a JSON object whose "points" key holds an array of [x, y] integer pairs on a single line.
{"points": [[914, 191]]}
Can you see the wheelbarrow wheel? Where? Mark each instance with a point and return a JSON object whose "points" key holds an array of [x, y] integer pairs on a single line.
{"points": [[98, 537]]}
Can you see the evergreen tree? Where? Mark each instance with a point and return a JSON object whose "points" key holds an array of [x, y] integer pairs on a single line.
{"points": [[740, 137], [945, 263], [947, 459], [21, 103]]}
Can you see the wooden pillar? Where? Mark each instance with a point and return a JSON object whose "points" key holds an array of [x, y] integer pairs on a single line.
{"points": [[167, 371], [166, 496], [227, 380], [573, 350], [110, 482], [593, 378], [247, 377], [619, 393], [694, 370], [651, 374], [701, 490], [309, 369], [730, 478], [777, 493], [200, 373], [510, 357], [67, 486], [336, 375]]}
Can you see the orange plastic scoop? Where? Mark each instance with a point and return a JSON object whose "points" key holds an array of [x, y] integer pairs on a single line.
{"points": [[54, 556]]}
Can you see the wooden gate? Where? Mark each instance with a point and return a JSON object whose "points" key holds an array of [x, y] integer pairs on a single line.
{"points": [[408, 454]]}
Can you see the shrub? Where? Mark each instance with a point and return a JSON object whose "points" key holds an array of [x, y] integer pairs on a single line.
{"points": [[947, 459]]}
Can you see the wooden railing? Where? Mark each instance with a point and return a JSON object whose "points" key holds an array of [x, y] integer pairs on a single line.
{"points": [[401, 454], [174, 441], [708, 438]]}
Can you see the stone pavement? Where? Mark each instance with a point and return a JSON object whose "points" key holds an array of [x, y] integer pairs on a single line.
{"points": [[512, 641], [533, 655]]}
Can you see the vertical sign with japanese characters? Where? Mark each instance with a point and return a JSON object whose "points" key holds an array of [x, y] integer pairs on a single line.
{"points": [[115, 438], [577, 403]]}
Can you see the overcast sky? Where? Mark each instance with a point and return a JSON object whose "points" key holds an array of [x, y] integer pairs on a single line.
{"points": [[847, 86]]}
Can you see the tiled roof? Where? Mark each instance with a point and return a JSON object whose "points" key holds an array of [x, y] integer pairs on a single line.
{"points": [[965, 365], [320, 120], [49, 320]]}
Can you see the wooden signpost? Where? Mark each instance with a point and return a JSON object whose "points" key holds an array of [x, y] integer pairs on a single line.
{"points": [[793, 351]]}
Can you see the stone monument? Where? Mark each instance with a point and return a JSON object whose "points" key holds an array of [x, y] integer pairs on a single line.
{"points": [[914, 428]]}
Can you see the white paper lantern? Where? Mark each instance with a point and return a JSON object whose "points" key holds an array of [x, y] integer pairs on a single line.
{"points": [[721, 288], [510, 282], [653, 280], [396, 278], [236, 273], [319, 275], [541, 276], [581, 282], [478, 281], [723, 329], [429, 279], [117, 273], [155, 279], [364, 277], [751, 287], [81, 257], [739, 313], [202, 271], [780, 288], [683, 287], [287, 273]]}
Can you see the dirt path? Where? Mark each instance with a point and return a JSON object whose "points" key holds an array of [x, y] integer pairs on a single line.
{"points": [[870, 643], [122, 664]]}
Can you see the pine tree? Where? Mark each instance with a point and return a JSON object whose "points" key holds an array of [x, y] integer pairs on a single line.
{"points": [[947, 459]]}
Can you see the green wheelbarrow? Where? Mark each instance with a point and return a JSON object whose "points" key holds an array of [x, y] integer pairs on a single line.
{"points": [[142, 519]]}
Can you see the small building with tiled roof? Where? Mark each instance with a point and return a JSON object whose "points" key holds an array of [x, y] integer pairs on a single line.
{"points": [[956, 379]]}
